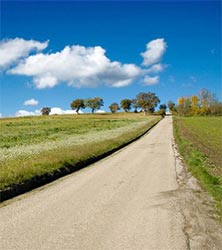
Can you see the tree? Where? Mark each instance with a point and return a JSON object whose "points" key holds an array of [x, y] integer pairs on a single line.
{"points": [[208, 101], [171, 106], [126, 104], [195, 107], [135, 104], [77, 105], [148, 101], [45, 111], [163, 108], [114, 107], [94, 103], [184, 106]]}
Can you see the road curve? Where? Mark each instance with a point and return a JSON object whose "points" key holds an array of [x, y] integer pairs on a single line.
{"points": [[119, 203]]}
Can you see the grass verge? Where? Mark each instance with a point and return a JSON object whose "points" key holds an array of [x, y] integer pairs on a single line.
{"points": [[199, 143]]}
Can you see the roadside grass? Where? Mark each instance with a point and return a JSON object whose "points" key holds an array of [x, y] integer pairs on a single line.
{"points": [[34, 146], [200, 143]]}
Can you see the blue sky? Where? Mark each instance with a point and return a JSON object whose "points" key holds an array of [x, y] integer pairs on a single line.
{"points": [[54, 52]]}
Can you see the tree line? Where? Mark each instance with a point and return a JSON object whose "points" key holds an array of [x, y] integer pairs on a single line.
{"points": [[206, 103], [145, 101]]}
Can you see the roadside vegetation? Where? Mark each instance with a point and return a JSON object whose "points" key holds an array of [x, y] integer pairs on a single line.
{"points": [[199, 142], [33, 146]]}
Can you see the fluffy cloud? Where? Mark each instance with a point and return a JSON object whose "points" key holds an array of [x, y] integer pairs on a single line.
{"points": [[154, 51], [54, 111], [13, 49], [148, 81], [156, 68], [23, 112], [0, 115], [79, 66], [100, 111], [31, 102], [59, 111]]}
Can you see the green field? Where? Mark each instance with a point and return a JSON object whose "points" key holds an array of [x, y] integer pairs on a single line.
{"points": [[33, 146], [200, 143]]}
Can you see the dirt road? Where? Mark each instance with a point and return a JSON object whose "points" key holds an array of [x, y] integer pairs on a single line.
{"points": [[130, 200]]}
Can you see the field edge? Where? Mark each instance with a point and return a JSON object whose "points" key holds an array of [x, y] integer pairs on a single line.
{"points": [[195, 162], [39, 181]]}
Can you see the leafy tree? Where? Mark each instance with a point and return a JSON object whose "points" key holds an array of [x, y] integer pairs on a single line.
{"points": [[171, 106], [45, 111], [135, 104], [184, 106], [94, 103], [195, 108], [114, 107], [126, 104], [148, 101], [77, 105], [163, 108]]}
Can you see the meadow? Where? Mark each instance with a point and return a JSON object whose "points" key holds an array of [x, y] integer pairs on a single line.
{"points": [[33, 146], [200, 143]]}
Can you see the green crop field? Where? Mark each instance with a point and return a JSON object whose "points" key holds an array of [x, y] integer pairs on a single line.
{"points": [[33, 146], [200, 143]]}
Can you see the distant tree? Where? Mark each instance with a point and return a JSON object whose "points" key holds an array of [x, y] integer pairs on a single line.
{"points": [[195, 105], [114, 107], [77, 105], [126, 104], [208, 101], [148, 101], [184, 106], [171, 106], [163, 108], [135, 104], [45, 111], [94, 103]]}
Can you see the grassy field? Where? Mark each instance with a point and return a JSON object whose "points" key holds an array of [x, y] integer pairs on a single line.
{"points": [[200, 143], [33, 146]]}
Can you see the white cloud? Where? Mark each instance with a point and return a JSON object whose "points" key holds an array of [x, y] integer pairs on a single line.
{"points": [[31, 102], [23, 112], [148, 81], [79, 66], [13, 49], [59, 111], [154, 51], [54, 111], [0, 115], [156, 68], [100, 111]]}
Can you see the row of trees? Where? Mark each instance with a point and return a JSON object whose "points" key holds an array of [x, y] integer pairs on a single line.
{"points": [[146, 102], [92, 103], [206, 103]]}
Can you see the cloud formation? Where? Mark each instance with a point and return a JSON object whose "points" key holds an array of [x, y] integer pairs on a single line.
{"points": [[12, 50], [156, 68], [154, 51], [149, 81], [23, 112], [54, 111], [78, 66], [31, 102], [59, 111]]}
